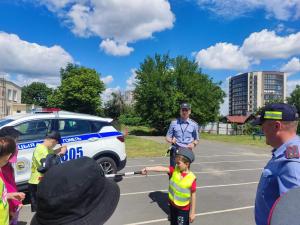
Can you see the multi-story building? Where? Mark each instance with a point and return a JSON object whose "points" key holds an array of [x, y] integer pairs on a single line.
{"points": [[249, 91], [128, 97], [10, 94]]}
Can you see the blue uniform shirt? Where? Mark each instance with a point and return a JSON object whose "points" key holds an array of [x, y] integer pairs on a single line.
{"points": [[185, 132], [281, 174]]}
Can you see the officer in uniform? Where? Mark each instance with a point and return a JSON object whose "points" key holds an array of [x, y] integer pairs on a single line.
{"points": [[183, 132], [279, 123]]}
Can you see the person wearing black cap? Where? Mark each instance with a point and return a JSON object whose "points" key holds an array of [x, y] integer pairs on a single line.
{"points": [[182, 187], [279, 123], [182, 132], [40, 152], [75, 193]]}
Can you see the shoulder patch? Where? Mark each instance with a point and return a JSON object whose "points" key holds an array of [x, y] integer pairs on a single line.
{"points": [[292, 151]]}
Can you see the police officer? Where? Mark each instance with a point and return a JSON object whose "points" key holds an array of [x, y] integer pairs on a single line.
{"points": [[183, 132], [279, 123]]}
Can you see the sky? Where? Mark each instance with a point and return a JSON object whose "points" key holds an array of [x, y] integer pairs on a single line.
{"points": [[225, 37]]}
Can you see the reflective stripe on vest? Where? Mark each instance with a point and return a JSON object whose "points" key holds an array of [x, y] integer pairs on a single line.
{"points": [[180, 188], [273, 115]]}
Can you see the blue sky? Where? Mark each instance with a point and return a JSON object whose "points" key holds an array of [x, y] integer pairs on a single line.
{"points": [[225, 37]]}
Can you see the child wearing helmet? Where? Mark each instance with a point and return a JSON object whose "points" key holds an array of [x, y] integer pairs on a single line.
{"points": [[182, 187]]}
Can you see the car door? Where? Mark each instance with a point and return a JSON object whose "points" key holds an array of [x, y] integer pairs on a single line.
{"points": [[32, 133], [79, 137]]}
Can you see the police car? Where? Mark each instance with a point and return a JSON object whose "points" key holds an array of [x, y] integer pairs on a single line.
{"points": [[84, 135]]}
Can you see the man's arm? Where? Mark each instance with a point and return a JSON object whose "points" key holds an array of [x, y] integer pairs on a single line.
{"points": [[289, 176], [170, 134]]}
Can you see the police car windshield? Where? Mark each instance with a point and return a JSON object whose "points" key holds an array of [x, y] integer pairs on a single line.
{"points": [[5, 121]]}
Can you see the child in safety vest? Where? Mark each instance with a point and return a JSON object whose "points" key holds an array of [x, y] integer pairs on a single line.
{"points": [[182, 187], [40, 152], [7, 150]]}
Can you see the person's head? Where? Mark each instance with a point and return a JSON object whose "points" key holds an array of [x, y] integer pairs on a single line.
{"points": [[184, 158], [52, 139], [10, 131], [279, 123], [75, 193], [7, 149], [185, 111]]}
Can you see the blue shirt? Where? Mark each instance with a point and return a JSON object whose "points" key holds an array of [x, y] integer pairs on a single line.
{"points": [[185, 132], [281, 174]]}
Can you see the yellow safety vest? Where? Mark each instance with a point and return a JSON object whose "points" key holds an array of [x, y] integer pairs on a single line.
{"points": [[180, 188]]}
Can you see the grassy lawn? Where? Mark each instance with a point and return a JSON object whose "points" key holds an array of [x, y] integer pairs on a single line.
{"points": [[238, 139], [140, 147]]}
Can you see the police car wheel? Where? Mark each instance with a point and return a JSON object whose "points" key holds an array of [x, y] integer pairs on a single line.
{"points": [[107, 164]]}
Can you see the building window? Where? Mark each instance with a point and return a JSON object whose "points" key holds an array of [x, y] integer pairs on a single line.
{"points": [[9, 95], [15, 96]]}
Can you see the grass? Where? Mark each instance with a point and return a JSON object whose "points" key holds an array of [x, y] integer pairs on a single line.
{"points": [[236, 139], [140, 147], [139, 130]]}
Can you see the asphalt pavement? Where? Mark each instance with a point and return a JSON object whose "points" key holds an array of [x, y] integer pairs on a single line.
{"points": [[227, 178]]}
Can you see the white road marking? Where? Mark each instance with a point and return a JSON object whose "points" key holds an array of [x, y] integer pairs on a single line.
{"points": [[197, 163], [200, 187], [202, 172], [199, 214]]}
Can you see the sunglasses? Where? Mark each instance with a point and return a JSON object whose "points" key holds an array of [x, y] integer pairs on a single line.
{"points": [[184, 110]]}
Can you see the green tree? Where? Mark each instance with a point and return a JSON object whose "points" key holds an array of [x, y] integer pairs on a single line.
{"points": [[294, 99], [36, 93], [115, 106], [79, 91], [164, 82]]}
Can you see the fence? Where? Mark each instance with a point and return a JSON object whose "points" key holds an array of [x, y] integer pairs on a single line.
{"points": [[222, 128]]}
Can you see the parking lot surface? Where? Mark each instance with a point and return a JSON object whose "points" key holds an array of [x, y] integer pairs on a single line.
{"points": [[227, 178]]}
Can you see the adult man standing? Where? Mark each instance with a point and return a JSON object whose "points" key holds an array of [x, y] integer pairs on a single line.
{"points": [[279, 123], [183, 132]]}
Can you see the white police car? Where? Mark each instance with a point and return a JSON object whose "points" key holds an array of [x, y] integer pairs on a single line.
{"points": [[84, 135]]}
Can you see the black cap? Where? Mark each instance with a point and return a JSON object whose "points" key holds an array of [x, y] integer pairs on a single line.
{"points": [[277, 111], [54, 135], [186, 152], [185, 106], [75, 193]]}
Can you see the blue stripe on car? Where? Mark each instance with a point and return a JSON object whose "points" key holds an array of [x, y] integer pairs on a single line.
{"points": [[70, 139]]}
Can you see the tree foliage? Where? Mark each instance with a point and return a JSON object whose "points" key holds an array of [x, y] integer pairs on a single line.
{"points": [[79, 91], [115, 106], [36, 93], [294, 99], [164, 82]]}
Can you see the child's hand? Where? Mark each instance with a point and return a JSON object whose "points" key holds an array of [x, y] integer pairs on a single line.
{"points": [[144, 171], [19, 196], [192, 217], [63, 150]]}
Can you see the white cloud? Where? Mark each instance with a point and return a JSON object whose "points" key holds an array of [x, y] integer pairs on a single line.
{"points": [[111, 47], [222, 56], [131, 80], [267, 45], [117, 22], [106, 95], [107, 80], [22, 80], [291, 85], [259, 45], [33, 60], [279, 9], [292, 66]]}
